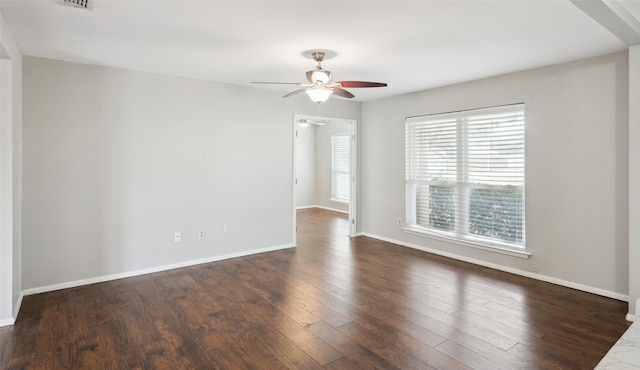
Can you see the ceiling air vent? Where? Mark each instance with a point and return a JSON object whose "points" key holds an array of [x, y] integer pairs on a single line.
{"points": [[83, 4]]}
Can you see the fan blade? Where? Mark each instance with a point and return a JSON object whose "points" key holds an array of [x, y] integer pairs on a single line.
{"points": [[361, 84], [342, 92], [295, 92], [277, 83]]}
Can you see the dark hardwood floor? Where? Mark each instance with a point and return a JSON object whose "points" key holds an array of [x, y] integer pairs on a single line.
{"points": [[333, 302]]}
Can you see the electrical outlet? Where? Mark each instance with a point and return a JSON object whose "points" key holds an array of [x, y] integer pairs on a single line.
{"points": [[201, 234], [226, 228], [399, 220], [177, 237]]}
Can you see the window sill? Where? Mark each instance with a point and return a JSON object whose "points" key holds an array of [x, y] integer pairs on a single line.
{"points": [[468, 243], [340, 202]]}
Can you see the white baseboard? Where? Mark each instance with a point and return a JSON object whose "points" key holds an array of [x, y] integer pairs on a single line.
{"points": [[16, 309], [7, 322], [633, 317], [532, 275], [325, 208], [100, 279]]}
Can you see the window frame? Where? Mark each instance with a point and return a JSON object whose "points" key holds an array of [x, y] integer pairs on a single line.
{"points": [[461, 186], [335, 197]]}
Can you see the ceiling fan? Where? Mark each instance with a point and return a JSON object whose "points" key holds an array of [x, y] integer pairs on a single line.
{"points": [[319, 88]]}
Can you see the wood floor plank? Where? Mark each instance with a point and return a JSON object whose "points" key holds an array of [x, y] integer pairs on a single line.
{"points": [[317, 349], [183, 346], [469, 357], [348, 347], [158, 356], [427, 354], [235, 357], [94, 353], [399, 356], [168, 286], [19, 353], [155, 301], [333, 302], [134, 323], [52, 340], [344, 363], [453, 331]]}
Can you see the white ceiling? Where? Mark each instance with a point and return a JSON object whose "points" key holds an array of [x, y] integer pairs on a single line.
{"points": [[411, 45]]}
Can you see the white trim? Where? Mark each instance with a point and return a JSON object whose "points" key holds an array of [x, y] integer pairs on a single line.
{"points": [[468, 243], [325, 208], [353, 188], [545, 278], [306, 207], [18, 305], [294, 180], [100, 279], [7, 191], [16, 310], [632, 317], [7, 322]]}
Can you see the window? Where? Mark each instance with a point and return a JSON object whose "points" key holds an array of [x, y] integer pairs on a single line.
{"points": [[340, 168], [465, 175]]}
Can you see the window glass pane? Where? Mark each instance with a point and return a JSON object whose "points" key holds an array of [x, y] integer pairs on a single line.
{"points": [[435, 151], [435, 207], [496, 149], [340, 158], [340, 187], [497, 214]]}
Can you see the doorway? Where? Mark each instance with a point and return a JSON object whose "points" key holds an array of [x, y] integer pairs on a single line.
{"points": [[316, 183]]}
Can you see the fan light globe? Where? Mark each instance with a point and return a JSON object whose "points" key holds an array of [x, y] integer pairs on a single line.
{"points": [[319, 95], [320, 76]]}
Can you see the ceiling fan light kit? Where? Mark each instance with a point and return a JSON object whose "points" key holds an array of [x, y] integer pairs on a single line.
{"points": [[303, 122], [319, 94], [319, 89], [319, 75]]}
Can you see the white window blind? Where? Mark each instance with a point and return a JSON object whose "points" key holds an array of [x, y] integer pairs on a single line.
{"points": [[340, 168], [465, 175]]}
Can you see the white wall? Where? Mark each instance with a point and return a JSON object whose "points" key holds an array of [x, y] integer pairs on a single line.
{"points": [[305, 167], [634, 179], [117, 161], [576, 168], [11, 175]]}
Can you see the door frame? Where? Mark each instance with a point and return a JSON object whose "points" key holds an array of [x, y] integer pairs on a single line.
{"points": [[353, 169], [7, 314]]}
